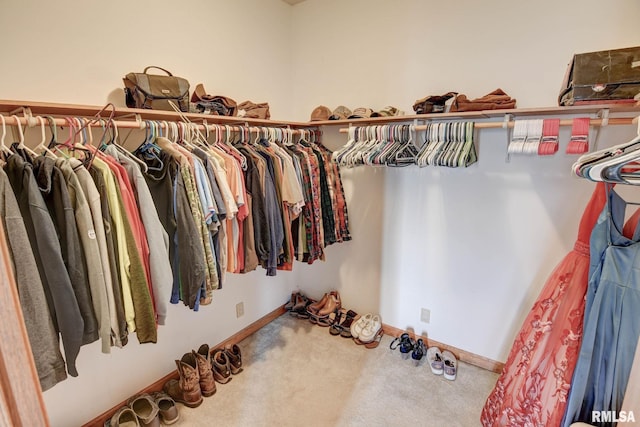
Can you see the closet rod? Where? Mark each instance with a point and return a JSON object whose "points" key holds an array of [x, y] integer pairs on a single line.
{"points": [[129, 124], [497, 125]]}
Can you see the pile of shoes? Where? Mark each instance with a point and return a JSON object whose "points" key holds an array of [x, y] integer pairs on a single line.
{"points": [[146, 410], [440, 362], [323, 113], [200, 370], [328, 312], [297, 305]]}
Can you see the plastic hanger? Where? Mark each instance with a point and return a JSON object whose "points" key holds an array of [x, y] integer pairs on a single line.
{"points": [[593, 165], [126, 152], [42, 146], [3, 147], [21, 144]]}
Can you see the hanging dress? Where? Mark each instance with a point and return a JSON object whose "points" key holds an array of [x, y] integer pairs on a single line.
{"points": [[533, 386], [611, 322]]}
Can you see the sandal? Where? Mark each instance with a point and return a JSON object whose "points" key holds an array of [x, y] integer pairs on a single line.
{"points": [[434, 356], [450, 365], [331, 319], [335, 328]]}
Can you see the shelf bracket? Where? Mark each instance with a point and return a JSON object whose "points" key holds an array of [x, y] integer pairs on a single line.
{"points": [[505, 125], [604, 115]]}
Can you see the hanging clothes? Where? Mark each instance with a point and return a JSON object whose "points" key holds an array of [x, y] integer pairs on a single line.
{"points": [[170, 185], [53, 187], [102, 213], [112, 288], [138, 306], [91, 251], [611, 321], [61, 299], [33, 302], [157, 238], [534, 383]]}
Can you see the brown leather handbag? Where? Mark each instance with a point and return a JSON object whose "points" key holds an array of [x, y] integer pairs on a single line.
{"points": [[152, 91]]}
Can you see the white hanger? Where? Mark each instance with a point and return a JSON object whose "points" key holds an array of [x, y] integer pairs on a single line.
{"points": [[3, 147], [21, 142], [42, 146], [601, 160]]}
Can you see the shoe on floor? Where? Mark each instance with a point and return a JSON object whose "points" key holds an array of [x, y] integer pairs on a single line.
{"points": [[358, 325], [345, 326], [167, 408], [450, 365], [370, 329], [375, 342], [436, 362], [124, 417], [419, 351], [235, 358], [145, 409]]}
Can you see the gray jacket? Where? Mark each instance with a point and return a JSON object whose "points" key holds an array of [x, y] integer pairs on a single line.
{"points": [[37, 319], [88, 238], [61, 299], [56, 196]]}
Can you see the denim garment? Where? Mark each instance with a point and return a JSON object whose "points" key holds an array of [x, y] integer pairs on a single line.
{"points": [[612, 324]]}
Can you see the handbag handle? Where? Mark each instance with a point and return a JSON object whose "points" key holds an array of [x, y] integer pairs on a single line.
{"points": [[153, 66]]}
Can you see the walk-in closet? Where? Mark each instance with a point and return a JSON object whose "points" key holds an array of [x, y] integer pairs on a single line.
{"points": [[351, 213]]}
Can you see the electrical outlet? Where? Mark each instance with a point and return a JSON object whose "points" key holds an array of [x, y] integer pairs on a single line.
{"points": [[240, 309], [425, 315]]}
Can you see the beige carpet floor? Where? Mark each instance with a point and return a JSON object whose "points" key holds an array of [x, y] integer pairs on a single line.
{"points": [[296, 373]]}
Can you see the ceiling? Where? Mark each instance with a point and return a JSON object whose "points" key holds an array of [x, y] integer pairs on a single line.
{"points": [[292, 2]]}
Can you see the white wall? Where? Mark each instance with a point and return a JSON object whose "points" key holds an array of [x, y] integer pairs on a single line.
{"points": [[78, 52], [475, 245]]}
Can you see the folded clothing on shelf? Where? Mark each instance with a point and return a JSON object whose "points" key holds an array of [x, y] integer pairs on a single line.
{"points": [[496, 100], [252, 110], [218, 105]]}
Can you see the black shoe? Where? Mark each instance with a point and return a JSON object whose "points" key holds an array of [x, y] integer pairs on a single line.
{"points": [[404, 342], [419, 350]]}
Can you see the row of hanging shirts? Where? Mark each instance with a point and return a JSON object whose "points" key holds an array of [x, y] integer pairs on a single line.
{"points": [[448, 144], [246, 201]]}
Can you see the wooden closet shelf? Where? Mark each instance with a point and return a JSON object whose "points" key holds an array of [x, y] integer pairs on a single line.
{"points": [[71, 110], [632, 109]]}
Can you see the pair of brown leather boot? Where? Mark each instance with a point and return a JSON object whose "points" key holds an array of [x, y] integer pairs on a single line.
{"points": [[319, 311], [199, 371]]}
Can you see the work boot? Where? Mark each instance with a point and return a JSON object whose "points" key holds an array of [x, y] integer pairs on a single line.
{"points": [[207, 383], [186, 389], [235, 358]]}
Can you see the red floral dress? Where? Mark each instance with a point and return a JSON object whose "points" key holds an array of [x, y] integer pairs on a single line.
{"points": [[533, 386]]}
